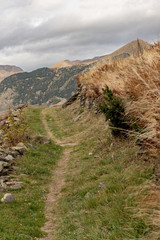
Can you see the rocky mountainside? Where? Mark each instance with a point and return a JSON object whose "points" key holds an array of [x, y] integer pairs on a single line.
{"points": [[8, 70], [48, 85], [42, 86]]}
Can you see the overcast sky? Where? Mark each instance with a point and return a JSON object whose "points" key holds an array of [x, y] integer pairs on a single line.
{"points": [[38, 33]]}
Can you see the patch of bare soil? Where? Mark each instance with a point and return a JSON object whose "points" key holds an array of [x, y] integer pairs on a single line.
{"points": [[56, 185]]}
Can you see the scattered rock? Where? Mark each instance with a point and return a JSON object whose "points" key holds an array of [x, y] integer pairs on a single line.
{"points": [[20, 147], [2, 158], [9, 158], [1, 166], [8, 197], [14, 185], [16, 168]]}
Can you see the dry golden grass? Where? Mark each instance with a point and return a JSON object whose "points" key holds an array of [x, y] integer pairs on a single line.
{"points": [[137, 81]]}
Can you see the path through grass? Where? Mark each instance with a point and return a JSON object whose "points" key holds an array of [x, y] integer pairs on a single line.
{"points": [[109, 190], [23, 219]]}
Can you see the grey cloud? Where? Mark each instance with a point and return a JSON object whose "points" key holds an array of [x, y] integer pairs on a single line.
{"points": [[64, 35]]}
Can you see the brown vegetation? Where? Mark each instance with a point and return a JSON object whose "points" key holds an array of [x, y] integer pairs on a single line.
{"points": [[137, 81]]}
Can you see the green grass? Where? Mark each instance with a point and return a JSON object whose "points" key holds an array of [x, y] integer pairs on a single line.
{"points": [[62, 124], [23, 219], [53, 127], [32, 115], [103, 195]]}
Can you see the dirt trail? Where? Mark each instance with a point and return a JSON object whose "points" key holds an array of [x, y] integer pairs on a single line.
{"points": [[57, 182]]}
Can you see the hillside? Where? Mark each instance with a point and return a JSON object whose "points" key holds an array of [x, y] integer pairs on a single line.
{"points": [[136, 81], [41, 86], [8, 70], [48, 85]]}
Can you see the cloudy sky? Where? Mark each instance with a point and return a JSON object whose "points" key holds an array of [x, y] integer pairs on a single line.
{"points": [[38, 33]]}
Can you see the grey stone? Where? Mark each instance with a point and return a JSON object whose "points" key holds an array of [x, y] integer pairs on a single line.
{"points": [[1, 166], [14, 185], [8, 197], [13, 153], [9, 158], [16, 168], [2, 157], [20, 147]]}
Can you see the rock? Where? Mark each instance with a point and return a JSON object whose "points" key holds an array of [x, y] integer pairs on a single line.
{"points": [[8, 197], [70, 100], [1, 166], [13, 153], [20, 106], [2, 157], [20, 147], [17, 186], [16, 168], [2, 150], [9, 158], [14, 185]]}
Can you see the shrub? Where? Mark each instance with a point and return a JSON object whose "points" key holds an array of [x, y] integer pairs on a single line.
{"points": [[14, 131], [113, 109]]}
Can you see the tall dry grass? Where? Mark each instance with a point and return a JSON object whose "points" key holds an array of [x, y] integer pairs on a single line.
{"points": [[137, 81]]}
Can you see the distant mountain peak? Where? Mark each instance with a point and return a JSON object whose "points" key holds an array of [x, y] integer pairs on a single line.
{"points": [[8, 70], [122, 52], [11, 68]]}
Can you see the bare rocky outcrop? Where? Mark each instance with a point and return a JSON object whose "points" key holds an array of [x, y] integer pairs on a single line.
{"points": [[91, 103]]}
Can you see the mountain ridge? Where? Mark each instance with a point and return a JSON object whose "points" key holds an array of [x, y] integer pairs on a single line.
{"points": [[8, 70], [122, 52], [48, 85]]}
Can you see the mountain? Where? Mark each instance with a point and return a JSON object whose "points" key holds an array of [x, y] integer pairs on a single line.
{"points": [[134, 47], [123, 52], [42, 86], [49, 85], [8, 70]]}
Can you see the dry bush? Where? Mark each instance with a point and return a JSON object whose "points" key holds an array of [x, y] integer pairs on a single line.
{"points": [[142, 85], [137, 81]]}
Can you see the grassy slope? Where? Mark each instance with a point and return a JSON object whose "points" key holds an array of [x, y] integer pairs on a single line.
{"points": [[108, 194], [22, 219]]}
